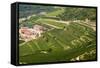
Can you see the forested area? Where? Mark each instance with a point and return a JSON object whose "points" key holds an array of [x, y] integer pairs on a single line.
{"points": [[78, 14]]}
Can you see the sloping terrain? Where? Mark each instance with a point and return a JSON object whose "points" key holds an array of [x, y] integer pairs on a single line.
{"points": [[58, 44], [68, 37]]}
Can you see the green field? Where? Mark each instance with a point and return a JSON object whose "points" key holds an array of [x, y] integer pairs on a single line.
{"points": [[63, 40], [52, 23], [58, 45]]}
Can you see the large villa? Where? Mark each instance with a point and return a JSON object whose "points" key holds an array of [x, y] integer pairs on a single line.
{"points": [[27, 34]]}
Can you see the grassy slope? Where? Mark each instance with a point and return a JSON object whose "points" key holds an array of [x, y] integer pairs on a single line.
{"points": [[57, 43], [55, 13], [51, 22]]}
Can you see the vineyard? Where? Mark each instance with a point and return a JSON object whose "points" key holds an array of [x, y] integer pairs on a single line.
{"points": [[61, 41]]}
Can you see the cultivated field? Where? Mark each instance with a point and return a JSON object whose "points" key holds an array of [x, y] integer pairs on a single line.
{"points": [[62, 40]]}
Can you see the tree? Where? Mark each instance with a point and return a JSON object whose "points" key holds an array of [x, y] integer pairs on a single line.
{"points": [[78, 14]]}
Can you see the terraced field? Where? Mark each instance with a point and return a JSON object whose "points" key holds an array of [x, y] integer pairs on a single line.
{"points": [[52, 23], [69, 34], [63, 43]]}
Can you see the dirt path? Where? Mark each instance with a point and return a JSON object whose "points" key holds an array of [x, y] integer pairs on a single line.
{"points": [[52, 25], [66, 22]]}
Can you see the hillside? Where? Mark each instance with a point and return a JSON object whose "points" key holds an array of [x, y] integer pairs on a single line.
{"points": [[61, 39]]}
